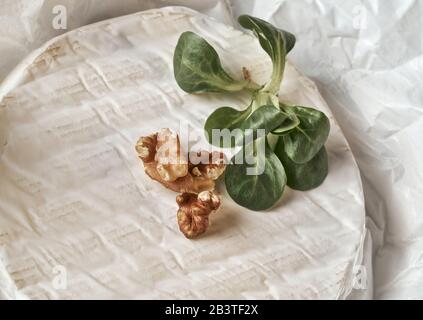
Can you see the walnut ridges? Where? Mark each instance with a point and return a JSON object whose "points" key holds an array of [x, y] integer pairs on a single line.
{"points": [[194, 211], [165, 162]]}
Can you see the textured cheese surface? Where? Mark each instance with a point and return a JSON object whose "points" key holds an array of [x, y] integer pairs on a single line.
{"points": [[80, 219]]}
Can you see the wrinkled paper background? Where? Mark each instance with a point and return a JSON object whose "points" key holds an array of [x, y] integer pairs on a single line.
{"points": [[367, 59]]}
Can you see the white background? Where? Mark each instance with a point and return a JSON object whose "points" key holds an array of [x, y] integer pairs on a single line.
{"points": [[367, 59]]}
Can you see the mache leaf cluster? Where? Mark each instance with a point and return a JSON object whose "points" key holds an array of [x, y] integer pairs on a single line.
{"points": [[299, 158]]}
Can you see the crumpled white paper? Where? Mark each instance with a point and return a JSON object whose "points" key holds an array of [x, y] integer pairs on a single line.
{"points": [[366, 57]]}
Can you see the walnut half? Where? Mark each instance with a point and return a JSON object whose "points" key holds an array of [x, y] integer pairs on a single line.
{"points": [[194, 211], [165, 162], [161, 153]]}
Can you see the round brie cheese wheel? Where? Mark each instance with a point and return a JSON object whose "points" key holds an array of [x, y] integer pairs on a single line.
{"points": [[80, 219]]}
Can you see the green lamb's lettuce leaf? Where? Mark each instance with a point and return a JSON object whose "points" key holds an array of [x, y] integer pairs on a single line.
{"points": [[304, 141], [197, 67], [257, 185], [303, 176], [277, 43], [221, 119], [266, 118], [241, 126], [290, 122]]}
